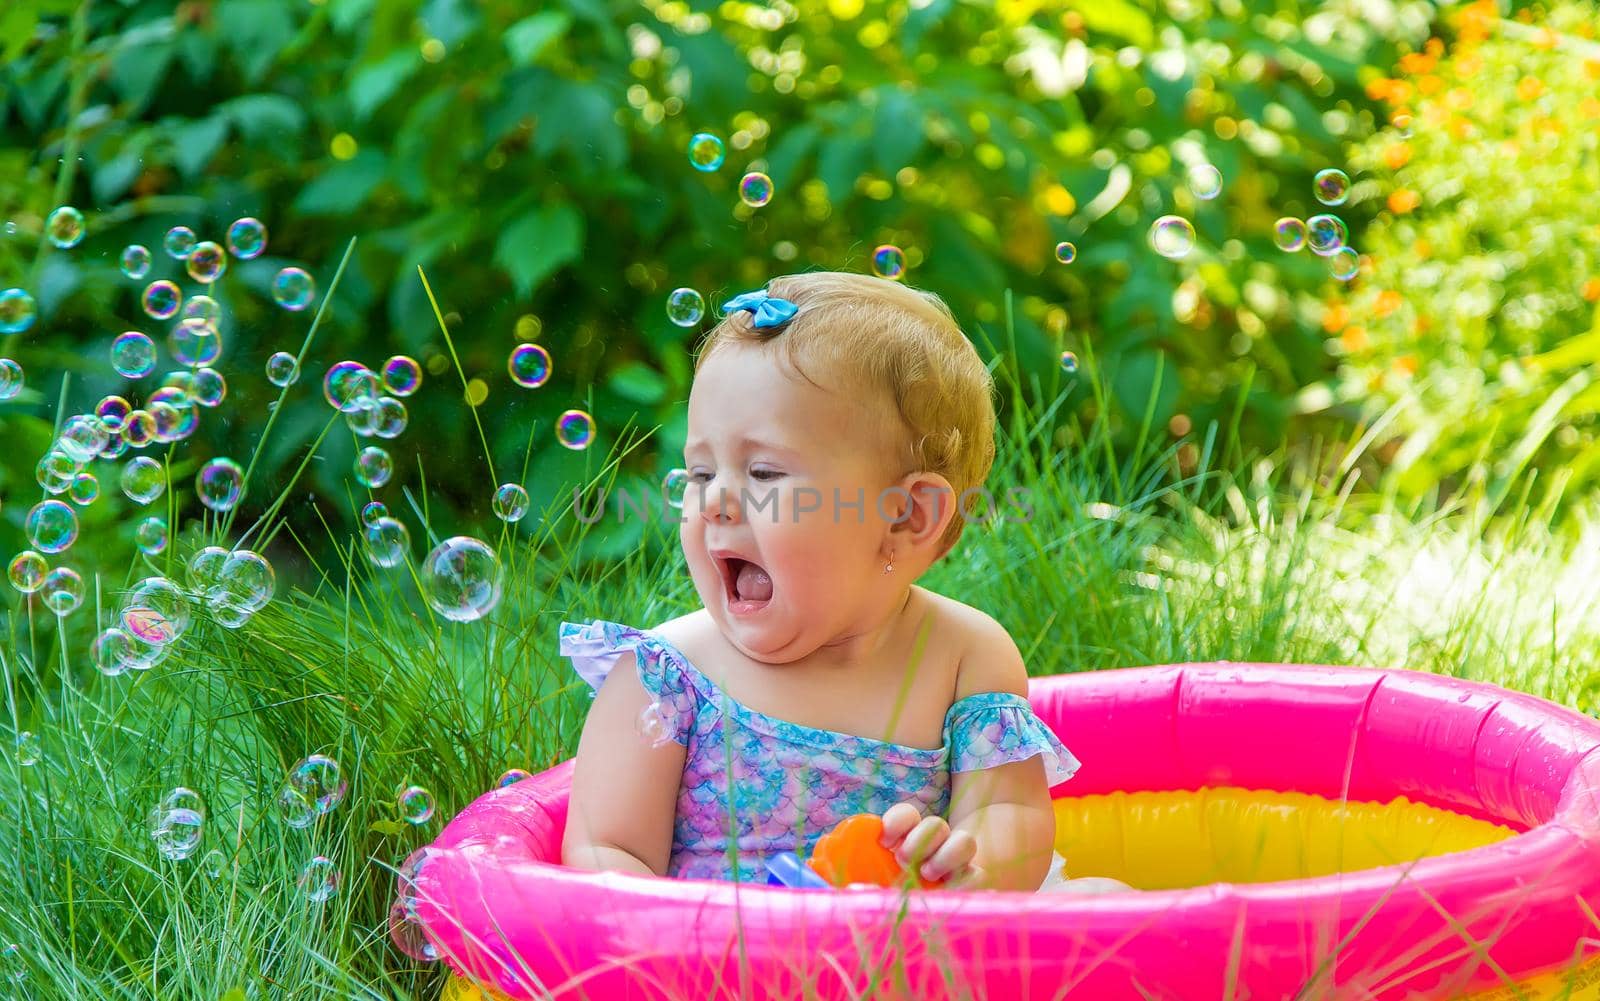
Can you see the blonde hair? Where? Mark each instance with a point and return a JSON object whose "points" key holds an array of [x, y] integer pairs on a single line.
{"points": [[886, 342]]}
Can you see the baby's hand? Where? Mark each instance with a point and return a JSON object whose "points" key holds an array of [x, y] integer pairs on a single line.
{"points": [[944, 854]]}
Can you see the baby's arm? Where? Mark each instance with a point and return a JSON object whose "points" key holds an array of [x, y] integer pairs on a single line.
{"points": [[1006, 808], [624, 792]]}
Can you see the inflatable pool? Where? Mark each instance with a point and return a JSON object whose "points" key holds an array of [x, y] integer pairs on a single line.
{"points": [[1294, 832]]}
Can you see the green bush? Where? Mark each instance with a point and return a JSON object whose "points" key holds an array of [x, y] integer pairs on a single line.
{"points": [[1476, 326], [534, 164]]}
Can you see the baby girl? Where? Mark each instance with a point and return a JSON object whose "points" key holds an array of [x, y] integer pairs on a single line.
{"points": [[834, 422]]}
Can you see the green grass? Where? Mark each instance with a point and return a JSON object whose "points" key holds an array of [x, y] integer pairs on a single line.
{"points": [[1125, 561]]}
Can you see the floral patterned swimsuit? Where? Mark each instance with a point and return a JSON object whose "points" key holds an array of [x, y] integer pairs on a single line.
{"points": [[790, 783]]}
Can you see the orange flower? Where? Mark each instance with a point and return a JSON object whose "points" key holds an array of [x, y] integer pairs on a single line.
{"points": [[1335, 318], [1591, 290], [1590, 107], [1468, 66], [1378, 90], [1459, 98], [1530, 87], [1354, 338], [1435, 46], [1388, 301], [1591, 68], [1404, 200], [1423, 248], [1406, 365], [1421, 326], [1397, 155], [1429, 84], [1415, 63]]}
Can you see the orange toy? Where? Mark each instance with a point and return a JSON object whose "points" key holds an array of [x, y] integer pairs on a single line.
{"points": [[853, 853]]}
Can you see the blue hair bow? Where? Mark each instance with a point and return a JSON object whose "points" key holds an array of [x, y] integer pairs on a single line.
{"points": [[770, 311]]}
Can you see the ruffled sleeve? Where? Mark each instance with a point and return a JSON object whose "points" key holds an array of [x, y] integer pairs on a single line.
{"points": [[997, 728], [594, 649]]}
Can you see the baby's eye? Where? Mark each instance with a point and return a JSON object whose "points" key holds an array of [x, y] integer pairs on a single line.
{"points": [[699, 476], [765, 474]]}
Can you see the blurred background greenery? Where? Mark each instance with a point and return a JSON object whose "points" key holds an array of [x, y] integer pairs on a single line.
{"points": [[533, 162]]}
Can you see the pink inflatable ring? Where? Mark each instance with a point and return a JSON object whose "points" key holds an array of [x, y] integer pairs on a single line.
{"points": [[491, 898]]}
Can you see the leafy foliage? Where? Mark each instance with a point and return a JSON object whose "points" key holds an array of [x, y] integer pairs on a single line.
{"points": [[533, 164], [1477, 324]]}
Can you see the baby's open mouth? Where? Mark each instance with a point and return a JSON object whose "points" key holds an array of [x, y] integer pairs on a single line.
{"points": [[744, 580]]}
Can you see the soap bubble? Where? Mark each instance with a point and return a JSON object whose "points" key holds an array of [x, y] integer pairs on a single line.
{"points": [[51, 526], [10, 379], [654, 724], [174, 416], [347, 383], [373, 511], [214, 863], [461, 579], [246, 580], [143, 479], [391, 417], [27, 571], [151, 536], [363, 417], [247, 238], [135, 261], [387, 541], [113, 412], [402, 375], [575, 429], [320, 780], [201, 307], [416, 804], [210, 388], [1344, 263], [115, 446], [319, 880], [205, 570], [685, 307], [28, 749], [1205, 181], [178, 824], [55, 472], [1331, 185], [293, 289], [282, 369], [673, 486], [64, 227], [1289, 234], [295, 809], [510, 502], [17, 311], [206, 262], [111, 652], [62, 591], [161, 300], [529, 365], [889, 261], [139, 429], [706, 151], [85, 489], [1172, 237], [219, 484], [1066, 252], [1402, 124], [373, 466], [179, 242], [755, 189], [82, 438], [1069, 363], [133, 355], [510, 776], [155, 610], [1326, 234], [195, 342]]}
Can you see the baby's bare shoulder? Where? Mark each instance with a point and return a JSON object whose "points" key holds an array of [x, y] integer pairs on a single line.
{"points": [[990, 660]]}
